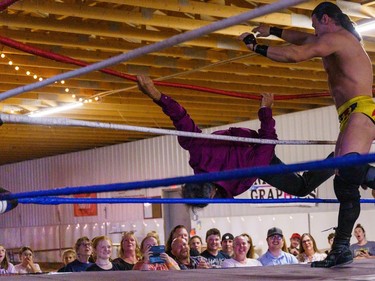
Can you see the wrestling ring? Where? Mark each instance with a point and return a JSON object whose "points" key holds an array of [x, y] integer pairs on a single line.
{"points": [[359, 270]]}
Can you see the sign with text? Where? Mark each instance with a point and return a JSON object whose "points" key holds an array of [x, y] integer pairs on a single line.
{"points": [[262, 190]]}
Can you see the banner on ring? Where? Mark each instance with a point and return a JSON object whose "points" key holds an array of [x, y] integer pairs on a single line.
{"points": [[263, 190]]}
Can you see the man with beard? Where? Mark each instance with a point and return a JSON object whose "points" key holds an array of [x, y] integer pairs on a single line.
{"points": [[181, 253]]}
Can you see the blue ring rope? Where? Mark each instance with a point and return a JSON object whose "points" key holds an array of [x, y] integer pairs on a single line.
{"points": [[330, 163], [59, 200]]}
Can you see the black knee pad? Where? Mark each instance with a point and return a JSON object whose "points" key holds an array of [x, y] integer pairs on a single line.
{"points": [[346, 191], [354, 174]]}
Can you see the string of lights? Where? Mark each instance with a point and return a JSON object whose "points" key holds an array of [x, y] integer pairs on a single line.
{"points": [[78, 101]]}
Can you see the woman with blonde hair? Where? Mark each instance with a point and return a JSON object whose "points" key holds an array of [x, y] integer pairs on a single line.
{"points": [[167, 263], [130, 252], [308, 251], [102, 246], [5, 266]]}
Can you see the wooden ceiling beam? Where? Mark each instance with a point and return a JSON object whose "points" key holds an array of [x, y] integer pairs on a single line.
{"points": [[120, 16]]}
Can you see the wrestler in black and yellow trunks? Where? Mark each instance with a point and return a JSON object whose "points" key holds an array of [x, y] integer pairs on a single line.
{"points": [[362, 104]]}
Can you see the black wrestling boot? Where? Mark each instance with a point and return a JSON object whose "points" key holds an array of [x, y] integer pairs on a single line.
{"points": [[7, 205], [340, 255]]}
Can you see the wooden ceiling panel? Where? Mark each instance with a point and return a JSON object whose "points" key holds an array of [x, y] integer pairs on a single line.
{"points": [[92, 31]]}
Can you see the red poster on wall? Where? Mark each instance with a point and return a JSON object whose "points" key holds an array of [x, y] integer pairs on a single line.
{"points": [[85, 210]]}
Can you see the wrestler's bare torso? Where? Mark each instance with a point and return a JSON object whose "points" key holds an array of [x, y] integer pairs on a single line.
{"points": [[349, 69]]}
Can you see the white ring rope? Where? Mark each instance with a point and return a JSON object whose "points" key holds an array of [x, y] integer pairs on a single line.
{"points": [[174, 40], [54, 121]]}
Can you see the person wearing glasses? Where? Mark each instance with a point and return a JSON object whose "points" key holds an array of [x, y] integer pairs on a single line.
{"points": [[83, 249], [308, 251], [275, 255]]}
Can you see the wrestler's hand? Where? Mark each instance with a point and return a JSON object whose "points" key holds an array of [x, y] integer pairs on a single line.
{"points": [[249, 40], [267, 100], [262, 30], [146, 86]]}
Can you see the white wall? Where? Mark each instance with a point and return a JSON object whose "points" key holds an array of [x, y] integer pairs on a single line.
{"points": [[45, 227], [318, 224]]}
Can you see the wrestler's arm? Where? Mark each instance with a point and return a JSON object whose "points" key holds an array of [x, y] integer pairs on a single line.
{"points": [[267, 123], [288, 35], [323, 46], [263, 153], [146, 86], [179, 116]]}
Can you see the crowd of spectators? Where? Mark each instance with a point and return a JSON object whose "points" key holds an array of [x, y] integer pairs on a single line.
{"points": [[183, 253]]}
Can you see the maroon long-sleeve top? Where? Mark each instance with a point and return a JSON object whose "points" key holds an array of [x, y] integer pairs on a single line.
{"points": [[207, 155]]}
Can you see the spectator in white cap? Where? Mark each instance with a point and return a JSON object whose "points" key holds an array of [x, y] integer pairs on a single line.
{"points": [[275, 255], [227, 244], [295, 239]]}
